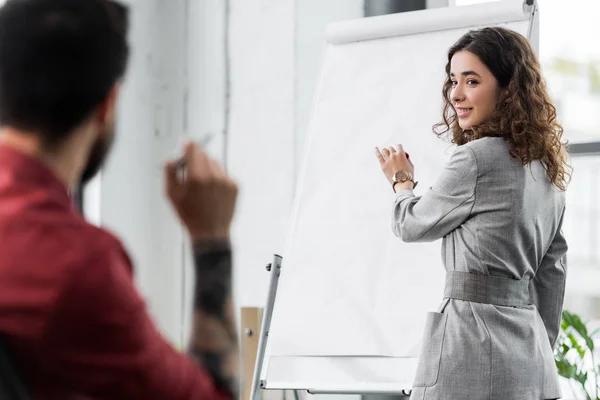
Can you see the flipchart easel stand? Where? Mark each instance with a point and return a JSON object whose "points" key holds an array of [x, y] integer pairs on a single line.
{"points": [[257, 384], [274, 270]]}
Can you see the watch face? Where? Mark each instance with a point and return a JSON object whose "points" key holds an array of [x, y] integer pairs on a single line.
{"points": [[403, 176]]}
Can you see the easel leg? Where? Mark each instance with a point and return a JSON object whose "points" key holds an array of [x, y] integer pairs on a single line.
{"points": [[275, 270]]}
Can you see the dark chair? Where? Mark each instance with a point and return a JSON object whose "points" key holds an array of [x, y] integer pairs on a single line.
{"points": [[12, 386]]}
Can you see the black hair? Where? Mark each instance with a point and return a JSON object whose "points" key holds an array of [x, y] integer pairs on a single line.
{"points": [[58, 60]]}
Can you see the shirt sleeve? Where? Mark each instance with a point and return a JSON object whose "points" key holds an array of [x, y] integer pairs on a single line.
{"points": [[103, 344], [547, 288], [446, 205]]}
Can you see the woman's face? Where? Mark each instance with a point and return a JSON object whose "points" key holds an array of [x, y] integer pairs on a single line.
{"points": [[475, 90]]}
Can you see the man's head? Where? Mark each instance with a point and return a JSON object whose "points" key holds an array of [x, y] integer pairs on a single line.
{"points": [[61, 62]]}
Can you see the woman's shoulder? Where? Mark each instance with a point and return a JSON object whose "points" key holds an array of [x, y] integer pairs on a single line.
{"points": [[489, 148], [491, 153], [485, 143]]}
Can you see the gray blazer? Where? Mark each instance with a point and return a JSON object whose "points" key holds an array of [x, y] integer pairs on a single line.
{"points": [[504, 255]]}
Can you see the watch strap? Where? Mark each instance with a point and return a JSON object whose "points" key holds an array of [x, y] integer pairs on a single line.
{"points": [[410, 180]]}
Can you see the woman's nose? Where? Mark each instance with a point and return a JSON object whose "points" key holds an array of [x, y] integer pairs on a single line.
{"points": [[457, 94]]}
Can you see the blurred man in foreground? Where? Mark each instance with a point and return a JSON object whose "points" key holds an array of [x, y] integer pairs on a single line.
{"points": [[76, 326]]}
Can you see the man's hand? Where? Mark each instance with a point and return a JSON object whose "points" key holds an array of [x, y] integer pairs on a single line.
{"points": [[204, 197], [393, 159]]}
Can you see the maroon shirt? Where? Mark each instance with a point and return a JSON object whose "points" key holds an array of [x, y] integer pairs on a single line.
{"points": [[69, 312]]}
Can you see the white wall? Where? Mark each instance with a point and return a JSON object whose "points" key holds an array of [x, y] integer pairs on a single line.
{"points": [[127, 197], [207, 103]]}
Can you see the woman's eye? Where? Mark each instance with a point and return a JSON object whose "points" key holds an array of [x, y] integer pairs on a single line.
{"points": [[472, 82], [454, 83]]}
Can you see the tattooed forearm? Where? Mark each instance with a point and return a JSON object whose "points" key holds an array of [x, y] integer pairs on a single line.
{"points": [[214, 338]]}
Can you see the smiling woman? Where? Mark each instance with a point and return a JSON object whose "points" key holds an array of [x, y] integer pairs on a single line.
{"points": [[498, 206]]}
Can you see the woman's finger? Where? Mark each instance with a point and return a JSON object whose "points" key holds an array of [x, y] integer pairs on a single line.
{"points": [[379, 156], [386, 152]]}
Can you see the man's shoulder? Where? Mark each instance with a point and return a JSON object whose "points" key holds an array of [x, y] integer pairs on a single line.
{"points": [[96, 242], [61, 240], [45, 258], [92, 232], [88, 237]]}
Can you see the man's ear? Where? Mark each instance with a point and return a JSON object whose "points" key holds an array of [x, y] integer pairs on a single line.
{"points": [[105, 113]]}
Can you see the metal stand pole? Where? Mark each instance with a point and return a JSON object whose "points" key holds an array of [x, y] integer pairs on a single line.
{"points": [[275, 269]]}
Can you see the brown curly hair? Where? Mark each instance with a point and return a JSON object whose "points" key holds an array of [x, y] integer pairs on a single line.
{"points": [[524, 114]]}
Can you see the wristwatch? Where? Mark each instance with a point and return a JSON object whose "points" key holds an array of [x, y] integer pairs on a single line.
{"points": [[401, 177]]}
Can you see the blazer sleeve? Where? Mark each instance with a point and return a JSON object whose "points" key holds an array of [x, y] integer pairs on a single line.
{"points": [[547, 288], [444, 207]]}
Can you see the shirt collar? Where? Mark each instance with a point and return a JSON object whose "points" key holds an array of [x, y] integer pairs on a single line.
{"points": [[25, 169]]}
